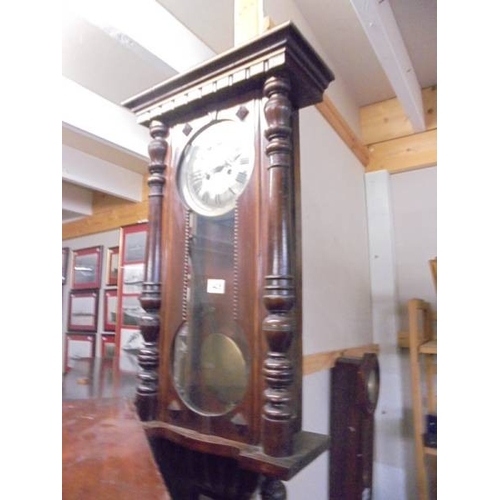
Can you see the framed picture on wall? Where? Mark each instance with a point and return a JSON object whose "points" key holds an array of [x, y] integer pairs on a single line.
{"points": [[128, 340], [112, 264], [134, 243], [65, 258], [83, 310], [87, 268], [110, 309], [78, 346]]}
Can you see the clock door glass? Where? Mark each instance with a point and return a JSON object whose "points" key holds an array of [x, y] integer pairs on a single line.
{"points": [[211, 361], [216, 167]]}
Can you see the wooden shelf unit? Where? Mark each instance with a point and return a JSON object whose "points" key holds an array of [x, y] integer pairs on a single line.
{"points": [[423, 365]]}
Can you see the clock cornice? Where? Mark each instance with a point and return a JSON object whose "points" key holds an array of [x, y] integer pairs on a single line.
{"points": [[243, 68]]}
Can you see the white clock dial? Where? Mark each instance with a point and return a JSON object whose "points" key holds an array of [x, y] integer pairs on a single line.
{"points": [[216, 167]]}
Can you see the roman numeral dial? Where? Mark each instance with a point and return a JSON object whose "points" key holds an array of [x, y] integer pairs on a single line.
{"points": [[216, 167]]}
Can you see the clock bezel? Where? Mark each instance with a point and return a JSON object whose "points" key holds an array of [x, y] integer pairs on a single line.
{"points": [[244, 134]]}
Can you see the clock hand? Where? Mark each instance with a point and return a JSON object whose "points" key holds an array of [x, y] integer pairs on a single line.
{"points": [[227, 163]]}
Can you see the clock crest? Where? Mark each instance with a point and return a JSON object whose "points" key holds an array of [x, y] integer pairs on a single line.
{"points": [[221, 367]]}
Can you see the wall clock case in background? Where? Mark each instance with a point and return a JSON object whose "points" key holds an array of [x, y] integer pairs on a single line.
{"points": [[355, 384], [221, 382]]}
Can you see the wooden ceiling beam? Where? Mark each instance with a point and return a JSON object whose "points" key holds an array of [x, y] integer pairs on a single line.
{"points": [[404, 153], [389, 137], [386, 120]]}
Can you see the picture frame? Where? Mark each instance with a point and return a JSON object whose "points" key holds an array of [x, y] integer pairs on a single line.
{"points": [[112, 266], [87, 268], [65, 259], [133, 243], [107, 345], [78, 346], [83, 310], [110, 310]]}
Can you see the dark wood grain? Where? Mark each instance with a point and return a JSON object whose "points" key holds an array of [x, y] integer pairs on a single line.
{"points": [[279, 325], [308, 446], [147, 390], [352, 428], [106, 454], [234, 73]]}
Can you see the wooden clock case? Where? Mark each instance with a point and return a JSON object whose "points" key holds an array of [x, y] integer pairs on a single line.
{"points": [[355, 388], [264, 82]]}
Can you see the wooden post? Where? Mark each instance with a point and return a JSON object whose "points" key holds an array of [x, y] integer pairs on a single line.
{"points": [[147, 390], [248, 20]]}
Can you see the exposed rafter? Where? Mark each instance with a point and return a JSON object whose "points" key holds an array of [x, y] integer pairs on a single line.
{"points": [[381, 28]]}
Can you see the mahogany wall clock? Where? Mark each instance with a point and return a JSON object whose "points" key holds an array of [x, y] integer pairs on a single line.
{"points": [[221, 367], [355, 384]]}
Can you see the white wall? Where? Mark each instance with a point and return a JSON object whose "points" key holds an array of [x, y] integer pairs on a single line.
{"points": [[389, 470], [336, 272], [414, 196], [402, 226], [336, 275]]}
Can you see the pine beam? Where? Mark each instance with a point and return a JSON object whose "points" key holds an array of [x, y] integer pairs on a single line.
{"points": [[248, 20], [387, 120], [405, 153], [389, 137]]}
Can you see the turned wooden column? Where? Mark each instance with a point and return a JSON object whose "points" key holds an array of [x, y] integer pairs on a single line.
{"points": [[279, 325], [147, 390]]}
